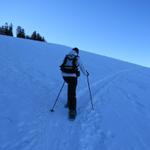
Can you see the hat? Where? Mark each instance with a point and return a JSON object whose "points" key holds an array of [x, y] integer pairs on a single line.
{"points": [[76, 50]]}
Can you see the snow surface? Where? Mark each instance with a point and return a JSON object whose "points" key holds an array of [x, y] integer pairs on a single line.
{"points": [[29, 83]]}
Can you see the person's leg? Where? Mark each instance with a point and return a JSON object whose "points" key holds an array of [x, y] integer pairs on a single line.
{"points": [[66, 79], [72, 93], [72, 84]]}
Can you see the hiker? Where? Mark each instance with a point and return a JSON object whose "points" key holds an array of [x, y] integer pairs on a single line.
{"points": [[70, 72]]}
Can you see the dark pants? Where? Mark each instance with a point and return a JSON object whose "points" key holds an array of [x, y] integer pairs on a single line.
{"points": [[72, 84]]}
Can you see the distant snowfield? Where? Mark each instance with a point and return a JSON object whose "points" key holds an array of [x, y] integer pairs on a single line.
{"points": [[29, 83]]}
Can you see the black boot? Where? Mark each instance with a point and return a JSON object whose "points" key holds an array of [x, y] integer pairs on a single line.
{"points": [[72, 114]]}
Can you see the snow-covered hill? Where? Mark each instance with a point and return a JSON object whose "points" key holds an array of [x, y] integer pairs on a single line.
{"points": [[29, 83]]}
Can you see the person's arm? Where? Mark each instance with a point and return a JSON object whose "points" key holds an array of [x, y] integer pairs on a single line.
{"points": [[82, 68]]}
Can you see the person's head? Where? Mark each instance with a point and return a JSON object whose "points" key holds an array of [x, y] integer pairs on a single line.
{"points": [[76, 50]]}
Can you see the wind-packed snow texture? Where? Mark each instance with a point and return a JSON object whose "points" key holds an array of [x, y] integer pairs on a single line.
{"points": [[30, 81]]}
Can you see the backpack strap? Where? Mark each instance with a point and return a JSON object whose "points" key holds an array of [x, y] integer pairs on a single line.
{"points": [[75, 61]]}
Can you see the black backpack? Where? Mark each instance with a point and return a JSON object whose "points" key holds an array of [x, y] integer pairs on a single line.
{"points": [[70, 64]]}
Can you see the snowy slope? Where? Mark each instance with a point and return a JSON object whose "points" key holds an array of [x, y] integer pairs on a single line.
{"points": [[29, 83]]}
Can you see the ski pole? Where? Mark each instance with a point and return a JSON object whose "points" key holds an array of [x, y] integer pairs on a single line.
{"points": [[52, 109], [90, 92]]}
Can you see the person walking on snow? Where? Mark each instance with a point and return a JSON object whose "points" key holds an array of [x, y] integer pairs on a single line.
{"points": [[70, 72]]}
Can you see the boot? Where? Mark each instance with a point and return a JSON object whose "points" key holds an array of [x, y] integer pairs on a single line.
{"points": [[72, 114]]}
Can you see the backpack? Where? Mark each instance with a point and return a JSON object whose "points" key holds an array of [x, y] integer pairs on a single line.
{"points": [[69, 64]]}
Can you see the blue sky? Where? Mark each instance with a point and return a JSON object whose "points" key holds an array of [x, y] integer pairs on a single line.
{"points": [[115, 28]]}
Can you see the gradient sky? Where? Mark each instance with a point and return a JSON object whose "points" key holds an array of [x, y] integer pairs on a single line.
{"points": [[115, 28]]}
